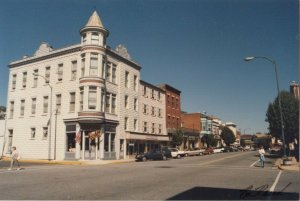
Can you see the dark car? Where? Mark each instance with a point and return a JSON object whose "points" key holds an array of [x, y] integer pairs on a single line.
{"points": [[156, 154], [208, 151]]}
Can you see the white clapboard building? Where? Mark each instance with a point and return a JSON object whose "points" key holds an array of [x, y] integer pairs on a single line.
{"points": [[79, 102]]}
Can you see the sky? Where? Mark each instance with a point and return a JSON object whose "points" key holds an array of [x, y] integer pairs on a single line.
{"points": [[196, 46]]}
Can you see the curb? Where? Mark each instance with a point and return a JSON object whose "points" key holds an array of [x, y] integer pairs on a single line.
{"points": [[278, 164]]}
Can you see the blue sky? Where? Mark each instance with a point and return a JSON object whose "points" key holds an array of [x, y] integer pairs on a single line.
{"points": [[199, 44]]}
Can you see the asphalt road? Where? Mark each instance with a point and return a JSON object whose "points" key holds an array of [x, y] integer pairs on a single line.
{"points": [[225, 176]]}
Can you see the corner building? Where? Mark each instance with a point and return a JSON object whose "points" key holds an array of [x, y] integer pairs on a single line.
{"points": [[56, 98]]}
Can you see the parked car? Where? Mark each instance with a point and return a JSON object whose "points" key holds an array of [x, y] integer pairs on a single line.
{"points": [[176, 153], [208, 151], [218, 150], [194, 152], [230, 149], [156, 154], [240, 148]]}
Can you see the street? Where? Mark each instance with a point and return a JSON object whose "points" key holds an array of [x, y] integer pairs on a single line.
{"points": [[224, 176]]}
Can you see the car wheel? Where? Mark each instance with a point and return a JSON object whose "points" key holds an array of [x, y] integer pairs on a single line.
{"points": [[144, 159], [178, 156], [164, 158]]}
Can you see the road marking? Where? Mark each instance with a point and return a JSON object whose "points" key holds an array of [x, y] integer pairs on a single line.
{"points": [[254, 163], [208, 162], [274, 185], [275, 182]]}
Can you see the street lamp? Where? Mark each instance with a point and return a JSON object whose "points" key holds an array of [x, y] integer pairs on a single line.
{"points": [[279, 99], [50, 121]]}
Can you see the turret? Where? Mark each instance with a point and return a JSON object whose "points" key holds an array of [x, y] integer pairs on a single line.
{"points": [[94, 33]]}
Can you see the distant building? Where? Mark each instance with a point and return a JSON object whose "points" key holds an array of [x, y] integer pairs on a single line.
{"points": [[173, 108], [294, 89]]}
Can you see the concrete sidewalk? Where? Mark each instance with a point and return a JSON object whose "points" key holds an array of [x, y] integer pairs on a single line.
{"points": [[73, 162], [293, 167]]}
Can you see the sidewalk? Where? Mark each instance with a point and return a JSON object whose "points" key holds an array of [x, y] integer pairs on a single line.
{"points": [[293, 167], [74, 162]]}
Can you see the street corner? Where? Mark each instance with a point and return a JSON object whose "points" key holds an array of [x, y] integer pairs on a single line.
{"points": [[294, 166]]}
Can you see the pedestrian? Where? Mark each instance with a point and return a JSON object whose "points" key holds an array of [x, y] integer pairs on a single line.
{"points": [[261, 152], [15, 157]]}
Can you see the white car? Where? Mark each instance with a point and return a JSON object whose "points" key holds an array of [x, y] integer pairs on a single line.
{"points": [[176, 153], [218, 150]]}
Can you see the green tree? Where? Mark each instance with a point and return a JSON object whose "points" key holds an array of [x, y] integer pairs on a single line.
{"points": [[227, 135], [209, 140], [290, 113], [177, 138]]}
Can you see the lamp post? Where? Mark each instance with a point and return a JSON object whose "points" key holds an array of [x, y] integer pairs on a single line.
{"points": [[50, 121], [279, 99]]}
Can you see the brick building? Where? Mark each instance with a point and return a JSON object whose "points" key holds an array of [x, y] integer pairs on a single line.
{"points": [[173, 108]]}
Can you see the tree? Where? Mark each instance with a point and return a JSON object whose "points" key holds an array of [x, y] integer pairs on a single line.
{"points": [[209, 140], [227, 135], [177, 138], [290, 113]]}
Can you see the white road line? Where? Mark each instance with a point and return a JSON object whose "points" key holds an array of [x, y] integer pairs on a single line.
{"points": [[274, 185], [254, 163]]}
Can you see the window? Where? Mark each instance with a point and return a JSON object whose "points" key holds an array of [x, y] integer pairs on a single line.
{"points": [[168, 99], [135, 82], [114, 74], [82, 66], [95, 38], [14, 81], [159, 112], [145, 127], [84, 38], [152, 93], [153, 128], [60, 72], [145, 109], [135, 104], [73, 70], [11, 109], [102, 99], [35, 78], [45, 133], [126, 102], [33, 106], [104, 68], [135, 124], [145, 91], [173, 103], [126, 79], [158, 95], [159, 129], [24, 79], [108, 70], [72, 102], [94, 65], [32, 133], [153, 111], [112, 142], [22, 108], [113, 103], [92, 97], [177, 103], [81, 99], [10, 139], [107, 103], [47, 75], [125, 123], [58, 103], [45, 105]]}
